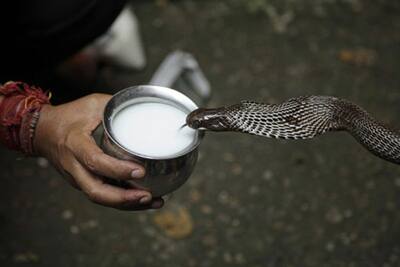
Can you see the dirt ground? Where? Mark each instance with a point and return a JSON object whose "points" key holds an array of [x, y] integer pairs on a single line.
{"points": [[251, 201]]}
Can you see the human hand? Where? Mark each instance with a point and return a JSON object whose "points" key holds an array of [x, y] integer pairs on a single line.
{"points": [[64, 136]]}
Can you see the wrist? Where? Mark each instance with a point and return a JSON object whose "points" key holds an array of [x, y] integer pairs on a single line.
{"points": [[19, 114], [41, 136]]}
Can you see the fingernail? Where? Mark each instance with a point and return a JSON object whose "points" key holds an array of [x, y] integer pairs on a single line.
{"points": [[137, 173], [145, 200]]}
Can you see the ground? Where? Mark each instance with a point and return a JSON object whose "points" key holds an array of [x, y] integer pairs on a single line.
{"points": [[251, 201]]}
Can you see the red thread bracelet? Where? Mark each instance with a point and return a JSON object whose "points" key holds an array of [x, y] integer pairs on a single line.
{"points": [[19, 114]]}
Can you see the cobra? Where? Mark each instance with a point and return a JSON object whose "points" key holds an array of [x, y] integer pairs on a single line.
{"points": [[302, 118]]}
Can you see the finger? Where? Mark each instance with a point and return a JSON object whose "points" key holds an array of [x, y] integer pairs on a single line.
{"points": [[95, 160], [108, 195], [155, 203]]}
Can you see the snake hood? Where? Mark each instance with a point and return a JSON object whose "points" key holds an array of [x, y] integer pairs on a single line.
{"points": [[302, 118]]}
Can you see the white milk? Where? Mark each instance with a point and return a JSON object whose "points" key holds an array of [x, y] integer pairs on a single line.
{"points": [[152, 129]]}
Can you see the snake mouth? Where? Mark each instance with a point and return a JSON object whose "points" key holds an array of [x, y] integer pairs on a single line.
{"points": [[194, 124], [195, 118], [198, 129]]}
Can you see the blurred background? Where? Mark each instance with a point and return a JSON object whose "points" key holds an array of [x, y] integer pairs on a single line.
{"points": [[251, 201]]}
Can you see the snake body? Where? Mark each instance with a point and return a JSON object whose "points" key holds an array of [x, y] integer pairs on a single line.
{"points": [[302, 118]]}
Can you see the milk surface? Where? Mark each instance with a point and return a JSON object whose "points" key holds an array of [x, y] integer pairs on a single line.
{"points": [[152, 129]]}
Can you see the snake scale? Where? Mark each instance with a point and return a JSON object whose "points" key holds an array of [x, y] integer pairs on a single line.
{"points": [[302, 118]]}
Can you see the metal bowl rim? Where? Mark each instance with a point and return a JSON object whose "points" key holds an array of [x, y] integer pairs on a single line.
{"points": [[107, 125]]}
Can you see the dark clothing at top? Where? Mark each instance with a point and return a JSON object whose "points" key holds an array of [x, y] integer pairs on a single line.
{"points": [[38, 34]]}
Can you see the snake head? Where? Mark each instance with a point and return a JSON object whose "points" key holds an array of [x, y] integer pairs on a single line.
{"points": [[208, 119]]}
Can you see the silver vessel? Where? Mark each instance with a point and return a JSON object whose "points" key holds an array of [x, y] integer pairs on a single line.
{"points": [[163, 174]]}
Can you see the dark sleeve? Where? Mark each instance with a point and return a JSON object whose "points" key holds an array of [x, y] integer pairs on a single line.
{"points": [[38, 34]]}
